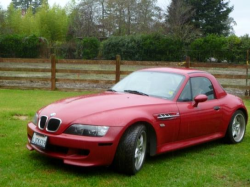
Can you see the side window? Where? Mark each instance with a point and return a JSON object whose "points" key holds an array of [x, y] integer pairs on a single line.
{"points": [[202, 85], [186, 93]]}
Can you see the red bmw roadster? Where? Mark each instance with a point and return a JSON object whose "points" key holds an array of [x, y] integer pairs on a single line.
{"points": [[151, 111]]}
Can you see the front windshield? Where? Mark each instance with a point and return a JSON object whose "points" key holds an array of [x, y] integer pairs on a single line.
{"points": [[151, 83]]}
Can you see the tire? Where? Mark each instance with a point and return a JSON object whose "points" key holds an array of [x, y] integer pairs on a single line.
{"points": [[131, 151], [236, 128]]}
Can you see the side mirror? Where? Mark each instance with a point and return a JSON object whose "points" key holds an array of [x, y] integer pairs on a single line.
{"points": [[199, 99]]}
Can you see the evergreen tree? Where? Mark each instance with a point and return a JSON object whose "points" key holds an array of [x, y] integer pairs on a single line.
{"points": [[25, 4], [212, 16], [178, 21]]}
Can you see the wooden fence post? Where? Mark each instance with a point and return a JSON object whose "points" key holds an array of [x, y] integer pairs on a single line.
{"points": [[187, 64], [118, 67], [247, 93], [53, 72], [247, 57]]}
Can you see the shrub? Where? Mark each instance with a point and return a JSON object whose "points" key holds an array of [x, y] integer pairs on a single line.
{"points": [[129, 47], [31, 47], [89, 47], [230, 49], [162, 48], [67, 50], [153, 47], [233, 49], [17, 46], [11, 46], [211, 46]]}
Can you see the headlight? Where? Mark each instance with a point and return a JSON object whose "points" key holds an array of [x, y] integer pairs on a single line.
{"points": [[87, 130], [35, 119]]}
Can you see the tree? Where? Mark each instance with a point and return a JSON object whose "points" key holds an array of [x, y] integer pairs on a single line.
{"points": [[147, 16], [13, 19], [2, 20], [25, 4], [103, 18], [52, 23], [84, 19], [130, 8], [28, 25], [212, 16], [103, 4], [178, 21], [117, 16]]}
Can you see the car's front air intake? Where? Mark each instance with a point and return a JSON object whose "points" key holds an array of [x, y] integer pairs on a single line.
{"points": [[53, 124], [42, 122]]}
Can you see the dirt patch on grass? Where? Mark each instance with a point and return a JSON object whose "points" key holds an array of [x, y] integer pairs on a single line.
{"points": [[21, 117]]}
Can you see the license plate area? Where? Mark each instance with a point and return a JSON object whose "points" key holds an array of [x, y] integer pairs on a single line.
{"points": [[39, 140]]}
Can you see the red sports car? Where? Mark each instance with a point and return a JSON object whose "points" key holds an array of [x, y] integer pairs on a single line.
{"points": [[151, 111]]}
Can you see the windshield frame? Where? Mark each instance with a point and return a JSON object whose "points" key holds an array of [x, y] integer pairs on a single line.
{"points": [[169, 96]]}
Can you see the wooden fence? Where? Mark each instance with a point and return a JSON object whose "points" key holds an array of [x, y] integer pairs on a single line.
{"points": [[77, 75]]}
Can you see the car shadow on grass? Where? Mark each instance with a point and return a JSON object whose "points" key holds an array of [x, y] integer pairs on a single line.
{"points": [[52, 164], [190, 151]]}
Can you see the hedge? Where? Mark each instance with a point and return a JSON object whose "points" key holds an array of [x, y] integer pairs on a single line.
{"points": [[143, 47], [153, 47], [87, 48], [220, 49], [17, 46]]}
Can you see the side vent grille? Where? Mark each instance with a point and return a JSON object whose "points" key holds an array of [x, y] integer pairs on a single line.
{"points": [[168, 116]]}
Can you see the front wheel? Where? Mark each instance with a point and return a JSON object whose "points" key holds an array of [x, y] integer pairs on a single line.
{"points": [[131, 151], [236, 128]]}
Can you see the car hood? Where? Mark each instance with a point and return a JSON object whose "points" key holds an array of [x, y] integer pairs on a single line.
{"points": [[74, 108]]}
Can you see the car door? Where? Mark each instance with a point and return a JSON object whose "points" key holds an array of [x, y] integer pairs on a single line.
{"points": [[206, 118]]}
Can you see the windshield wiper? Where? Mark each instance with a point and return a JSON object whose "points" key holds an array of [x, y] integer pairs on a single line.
{"points": [[111, 90], [135, 92]]}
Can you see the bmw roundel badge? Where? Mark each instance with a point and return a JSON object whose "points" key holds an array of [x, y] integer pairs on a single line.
{"points": [[52, 114]]}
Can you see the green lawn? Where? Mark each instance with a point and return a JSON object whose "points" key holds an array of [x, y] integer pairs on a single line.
{"points": [[211, 164]]}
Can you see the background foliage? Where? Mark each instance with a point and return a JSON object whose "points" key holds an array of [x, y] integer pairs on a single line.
{"points": [[211, 16], [89, 48], [48, 22], [143, 47], [135, 29], [152, 47], [20, 46], [219, 48]]}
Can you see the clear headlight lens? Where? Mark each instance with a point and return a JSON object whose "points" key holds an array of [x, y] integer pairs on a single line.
{"points": [[35, 119], [87, 130]]}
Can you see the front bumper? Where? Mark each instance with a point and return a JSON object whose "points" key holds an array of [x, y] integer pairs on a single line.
{"points": [[78, 150]]}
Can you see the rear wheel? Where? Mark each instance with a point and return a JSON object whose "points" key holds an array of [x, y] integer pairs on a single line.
{"points": [[236, 128], [131, 152]]}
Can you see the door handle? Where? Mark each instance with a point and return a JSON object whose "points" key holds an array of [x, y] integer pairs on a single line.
{"points": [[216, 108]]}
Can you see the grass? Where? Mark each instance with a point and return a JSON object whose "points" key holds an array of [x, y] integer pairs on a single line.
{"points": [[211, 164]]}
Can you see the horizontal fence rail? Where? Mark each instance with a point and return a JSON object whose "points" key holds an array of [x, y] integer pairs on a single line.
{"points": [[77, 75], [25, 60]]}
